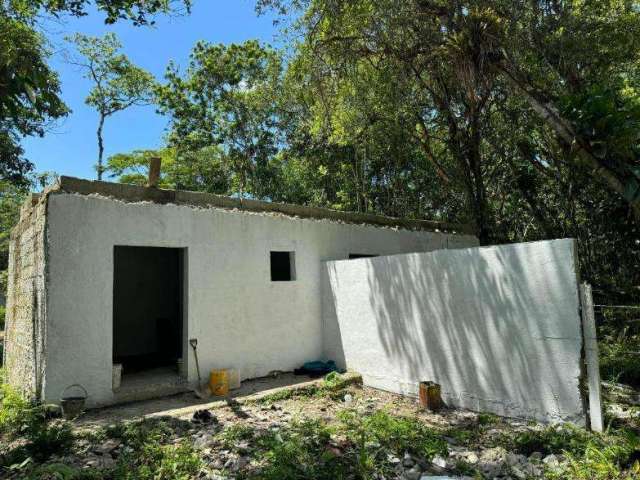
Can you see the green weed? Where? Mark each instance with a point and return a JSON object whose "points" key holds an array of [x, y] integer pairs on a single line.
{"points": [[58, 471], [553, 439], [302, 450], [591, 456], [599, 463], [41, 437], [380, 434], [235, 433], [332, 386], [485, 419], [619, 359], [145, 455]]}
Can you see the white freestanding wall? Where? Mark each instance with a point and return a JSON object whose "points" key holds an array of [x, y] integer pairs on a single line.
{"points": [[240, 317], [498, 327]]}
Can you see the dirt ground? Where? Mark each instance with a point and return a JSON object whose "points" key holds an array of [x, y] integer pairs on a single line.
{"points": [[267, 404], [183, 405]]}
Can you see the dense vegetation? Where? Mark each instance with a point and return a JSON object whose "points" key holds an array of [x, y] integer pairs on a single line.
{"points": [[521, 118]]}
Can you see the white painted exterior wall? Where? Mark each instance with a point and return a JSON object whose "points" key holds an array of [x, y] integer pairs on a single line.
{"points": [[240, 318], [498, 327]]}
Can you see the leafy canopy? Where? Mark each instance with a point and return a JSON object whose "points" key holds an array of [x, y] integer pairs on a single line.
{"points": [[227, 97]]}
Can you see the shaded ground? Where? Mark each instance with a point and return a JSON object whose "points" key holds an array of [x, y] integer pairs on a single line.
{"points": [[183, 405]]}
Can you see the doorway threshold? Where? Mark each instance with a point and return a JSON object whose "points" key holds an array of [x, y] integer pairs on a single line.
{"points": [[147, 384]]}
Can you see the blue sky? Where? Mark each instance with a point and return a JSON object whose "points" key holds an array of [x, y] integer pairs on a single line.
{"points": [[70, 148]]}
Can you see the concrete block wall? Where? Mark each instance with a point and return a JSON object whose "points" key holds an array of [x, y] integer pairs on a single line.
{"points": [[24, 329], [498, 327], [240, 317]]}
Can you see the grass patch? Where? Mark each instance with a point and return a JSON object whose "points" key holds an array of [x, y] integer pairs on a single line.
{"points": [[39, 436], [357, 446], [613, 455], [153, 461], [393, 433], [58, 471], [619, 361], [553, 439], [147, 453], [602, 462], [487, 419], [619, 344], [235, 433], [332, 385], [300, 451]]}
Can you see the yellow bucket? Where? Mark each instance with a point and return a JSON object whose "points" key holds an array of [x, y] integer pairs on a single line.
{"points": [[218, 383]]}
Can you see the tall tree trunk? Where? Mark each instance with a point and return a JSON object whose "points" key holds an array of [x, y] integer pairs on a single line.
{"points": [[100, 146], [465, 147], [479, 193]]}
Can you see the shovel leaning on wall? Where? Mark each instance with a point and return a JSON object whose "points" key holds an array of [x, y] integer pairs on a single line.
{"points": [[200, 391]]}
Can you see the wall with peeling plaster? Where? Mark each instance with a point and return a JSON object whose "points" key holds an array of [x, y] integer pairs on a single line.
{"points": [[497, 327], [240, 318]]}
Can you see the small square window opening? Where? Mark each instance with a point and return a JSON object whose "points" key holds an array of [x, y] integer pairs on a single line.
{"points": [[283, 266]]}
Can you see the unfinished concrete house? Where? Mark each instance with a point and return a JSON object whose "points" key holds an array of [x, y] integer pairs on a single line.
{"points": [[106, 274], [103, 274]]}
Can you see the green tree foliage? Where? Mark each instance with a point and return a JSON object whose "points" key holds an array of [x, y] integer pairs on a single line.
{"points": [[11, 197], [520, 117], [227, 97], [201, 170], [117, 83], [29, 93], [139, 12]]}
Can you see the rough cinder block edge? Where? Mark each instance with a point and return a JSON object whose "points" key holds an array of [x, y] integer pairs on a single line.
{"points": [[32, 224], [583, 380]]}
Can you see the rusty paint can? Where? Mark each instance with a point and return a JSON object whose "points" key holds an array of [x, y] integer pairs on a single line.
{"points": [[430, 397], [218, 383]]}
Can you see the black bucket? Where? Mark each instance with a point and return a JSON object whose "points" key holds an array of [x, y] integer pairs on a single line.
{"points": [[73, 405]]}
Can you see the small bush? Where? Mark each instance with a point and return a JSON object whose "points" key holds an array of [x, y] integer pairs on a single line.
{"points": [[42, 437], [3, 312]]}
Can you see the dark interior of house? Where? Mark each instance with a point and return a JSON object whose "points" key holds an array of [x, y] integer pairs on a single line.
{"points": [[147, 307]]}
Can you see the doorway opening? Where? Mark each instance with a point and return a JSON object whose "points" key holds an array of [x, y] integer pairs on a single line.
{"points": [[148, 320]]}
